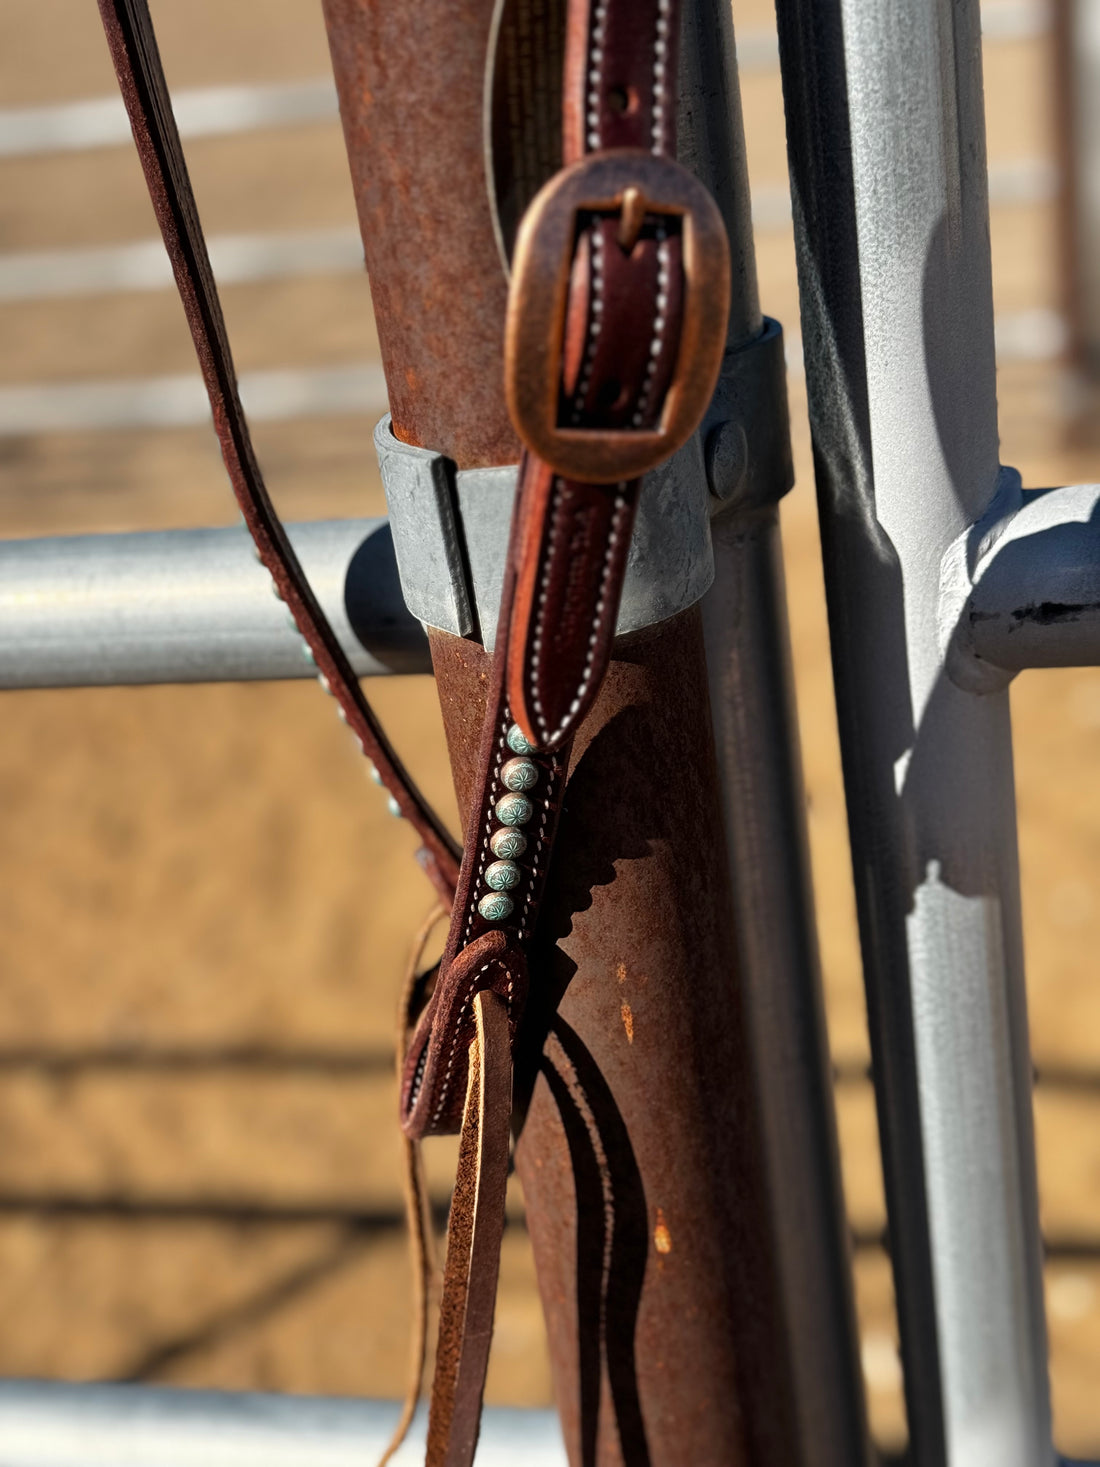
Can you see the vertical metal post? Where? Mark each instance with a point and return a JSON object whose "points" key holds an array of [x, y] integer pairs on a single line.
{"points": [[641, 1153], [1077, 100], [887, 158], [752, 706]]}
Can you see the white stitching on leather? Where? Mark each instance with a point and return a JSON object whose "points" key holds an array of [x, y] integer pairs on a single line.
{"points": [[657, 342], [660, 68], [595, 79], [595, 322], [559, 495], [540, 840], [595, 73], [445, 1084], [590, 658]]}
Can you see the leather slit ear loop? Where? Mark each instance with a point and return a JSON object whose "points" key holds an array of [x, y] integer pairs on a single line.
{"points": [[473, 1242]]}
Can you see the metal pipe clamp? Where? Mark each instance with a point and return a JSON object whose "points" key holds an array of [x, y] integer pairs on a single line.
{"points": [[450, 534]]}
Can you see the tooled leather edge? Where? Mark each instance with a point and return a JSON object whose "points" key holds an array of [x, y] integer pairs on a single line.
{"points": [[132, 42]]}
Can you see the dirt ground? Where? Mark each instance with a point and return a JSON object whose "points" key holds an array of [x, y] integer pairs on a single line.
{"points": [[204, 907]]}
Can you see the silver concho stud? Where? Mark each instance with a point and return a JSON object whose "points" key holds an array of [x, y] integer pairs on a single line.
{"points": [[502, 875], [507, 843], [514, 809], [517, 741], [496, 906], [520, 774]]}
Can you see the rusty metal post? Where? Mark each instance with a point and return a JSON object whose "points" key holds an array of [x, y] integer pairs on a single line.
{"points": [[641, 1150], [1076, 66], [749, 664]]}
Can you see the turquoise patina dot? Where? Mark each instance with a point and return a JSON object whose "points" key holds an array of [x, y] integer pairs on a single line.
{"points": [[508, 844], [496, 906], [517, 741], [514, 809], [502, 875], [520, 774], [394, 807]]}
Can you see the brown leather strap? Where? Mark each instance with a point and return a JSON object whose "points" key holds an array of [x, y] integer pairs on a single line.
{"points": [[620, 76], [597, 326], [418, 1218], [485, 952], [622, 339], [473, 1241], [137, 63]]}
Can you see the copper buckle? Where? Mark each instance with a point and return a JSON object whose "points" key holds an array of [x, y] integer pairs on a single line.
{"points": [[635, 183]]}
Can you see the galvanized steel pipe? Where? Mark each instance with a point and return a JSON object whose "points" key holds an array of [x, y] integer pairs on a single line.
{"points": [[189, 606], [1033, 598], [1076, 96], [887, 157], [748, 653], [55, 1424]]}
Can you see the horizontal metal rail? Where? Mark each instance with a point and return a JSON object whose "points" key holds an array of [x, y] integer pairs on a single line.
{"points": [[283, 394], [189, 606], [1033, 598], [175, 606], [54, 1425], [179, 401], [97, 122], [244, 259], [1077, 84], [101, 122]]}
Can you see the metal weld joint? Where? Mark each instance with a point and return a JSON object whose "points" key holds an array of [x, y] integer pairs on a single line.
{"points": [[450, 535], [746, 431], [1021, 588]]}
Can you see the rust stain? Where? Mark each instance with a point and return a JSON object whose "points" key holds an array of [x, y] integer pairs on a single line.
{"points": [[628, 1021], [662, 1238]]}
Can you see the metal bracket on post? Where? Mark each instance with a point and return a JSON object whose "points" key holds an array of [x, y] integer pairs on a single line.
{"points": [[450, 534], [746, 431]]}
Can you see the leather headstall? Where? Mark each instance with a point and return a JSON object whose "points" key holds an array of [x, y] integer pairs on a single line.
{"points": [[615, 331], [616, 325]]}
